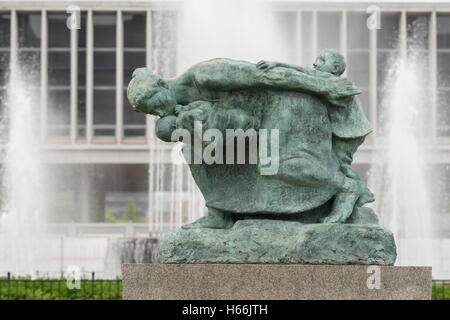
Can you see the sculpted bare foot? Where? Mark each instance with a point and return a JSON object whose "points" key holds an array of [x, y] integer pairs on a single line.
{"points": [[344, 201], [366, 197], [343, 205], [214, 219]]}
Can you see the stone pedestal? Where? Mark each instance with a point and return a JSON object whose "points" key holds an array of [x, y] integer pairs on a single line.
{"points": [[274, 282], [281, 242]]}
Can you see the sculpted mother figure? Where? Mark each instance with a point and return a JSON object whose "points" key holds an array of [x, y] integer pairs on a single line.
{"points": [[293, 102]]}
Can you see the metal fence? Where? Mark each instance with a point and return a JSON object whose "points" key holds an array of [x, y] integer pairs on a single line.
{"points": [[12, 288], [22, 288]]}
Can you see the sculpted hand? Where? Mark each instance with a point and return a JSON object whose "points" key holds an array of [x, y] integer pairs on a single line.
{"points": [[266, 65], [183, 108], [178, 109], [186, 119], [341, 87]]}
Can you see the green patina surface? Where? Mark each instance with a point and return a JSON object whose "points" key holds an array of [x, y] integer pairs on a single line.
{"points": [[314, 191], [277, 241]]}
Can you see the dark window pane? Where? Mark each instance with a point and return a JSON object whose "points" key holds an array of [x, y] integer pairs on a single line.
{"points": [[357, 31], [134, 30], [132, 60], [443, 31], [4, 68], [82, 31], [81, 113], [3, 114], [30, 64], [417, 26], [443, 113], [104, 112], [82, 51], [104, 68], [5, 29], [29, 29], [59, 112], [104, 30], [58, 33], [384, 61], [134, 122], [58, 68], [328, 27], [443, 69], [81, 68], [387, 36]]}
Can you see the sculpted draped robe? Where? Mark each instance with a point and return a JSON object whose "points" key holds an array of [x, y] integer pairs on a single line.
{"points": [[307, 163]]}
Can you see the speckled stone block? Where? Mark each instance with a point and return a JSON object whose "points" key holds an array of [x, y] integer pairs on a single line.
{"points": [[274, 282]]}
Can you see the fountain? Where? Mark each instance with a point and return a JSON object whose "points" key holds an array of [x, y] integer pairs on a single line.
{"points": [[209, 29], [24, 249], [398, 177]]}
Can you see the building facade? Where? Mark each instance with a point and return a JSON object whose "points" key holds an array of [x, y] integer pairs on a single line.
{"points": [[106, 156]]}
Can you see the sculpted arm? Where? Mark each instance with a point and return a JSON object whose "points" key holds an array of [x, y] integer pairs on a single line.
{"points": [[268, 65], [225, 74]]}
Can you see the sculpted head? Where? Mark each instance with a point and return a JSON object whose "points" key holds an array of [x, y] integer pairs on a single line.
{"points": [[149, 93], [330, 61]]}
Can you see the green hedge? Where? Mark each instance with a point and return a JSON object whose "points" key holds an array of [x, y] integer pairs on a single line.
{"points": [[440, 291], [57, 289], [23, 288]]}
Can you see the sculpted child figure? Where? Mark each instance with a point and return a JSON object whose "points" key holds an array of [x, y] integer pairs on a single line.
{"points": [[348, 122]]}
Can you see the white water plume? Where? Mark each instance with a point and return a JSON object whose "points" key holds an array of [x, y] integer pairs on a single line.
{"points": [[399, 178], [243, 30], [23, 189]]}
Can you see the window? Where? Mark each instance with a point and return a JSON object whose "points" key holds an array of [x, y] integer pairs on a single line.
{"points": [[58, 76], [81, 104], [29, 56], [29, 47], [358, 55], [417, 27], [5, 23], [104, 74], [387, 42], [443, 74], [134, 57]]}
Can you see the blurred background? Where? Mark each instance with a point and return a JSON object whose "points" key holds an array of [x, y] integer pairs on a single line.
{"points": [[85, 182]]}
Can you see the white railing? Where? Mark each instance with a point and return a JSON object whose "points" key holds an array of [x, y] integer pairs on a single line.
{"points": [[104, 229]]}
